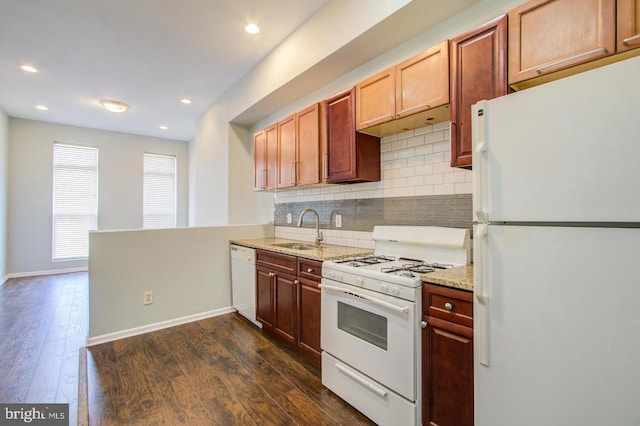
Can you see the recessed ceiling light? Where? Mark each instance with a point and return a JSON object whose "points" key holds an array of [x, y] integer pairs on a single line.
{"points": [[42, 107], [114, 106], [252, 29], [164, 128], [28, 68], [185, 100]]}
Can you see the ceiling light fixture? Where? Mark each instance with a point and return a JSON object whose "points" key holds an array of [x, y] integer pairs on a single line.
{"points": [[42, 107], [185, 100], [28, 68], [164, 128], [114, 106], [252, 29]]}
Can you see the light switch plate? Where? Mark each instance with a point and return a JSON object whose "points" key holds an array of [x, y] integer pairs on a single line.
{"points": [[288, 217], [338, 221]]}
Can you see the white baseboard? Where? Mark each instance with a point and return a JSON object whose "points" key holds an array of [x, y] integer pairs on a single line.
{"points": [[49, 272], [104, 338]]}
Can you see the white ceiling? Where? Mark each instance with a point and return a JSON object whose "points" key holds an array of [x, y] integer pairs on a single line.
{"points": [[146, 53]]}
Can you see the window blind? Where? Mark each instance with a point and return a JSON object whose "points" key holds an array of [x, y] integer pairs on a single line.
{"points": [[159, 203], [75, 200]]}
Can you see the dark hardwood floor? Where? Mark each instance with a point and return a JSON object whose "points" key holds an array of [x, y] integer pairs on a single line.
{"points": [[220, 371], [43, 324]]}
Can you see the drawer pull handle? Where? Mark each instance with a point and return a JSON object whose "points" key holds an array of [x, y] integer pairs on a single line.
{"points": [[310, 270], [448, 306], [541, 69], [630, 40], [424, 324]]}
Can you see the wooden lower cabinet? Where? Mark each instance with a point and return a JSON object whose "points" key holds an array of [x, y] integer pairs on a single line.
{"points": [[447, 357], [288, 301], [265, 291], [309, 320], [285, 306]]}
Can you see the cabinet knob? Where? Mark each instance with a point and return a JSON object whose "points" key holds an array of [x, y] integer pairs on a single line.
{"points": [[423, 324], [310, 270], [271, 274], [448, 306], [296, 282]]}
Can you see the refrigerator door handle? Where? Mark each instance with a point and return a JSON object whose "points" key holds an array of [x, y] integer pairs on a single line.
{"points": [[480, 291], [479, 160]]}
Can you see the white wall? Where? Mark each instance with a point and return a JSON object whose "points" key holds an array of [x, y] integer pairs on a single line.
{"points": [[213, 148], [4, 182], [120, 175], [187, 269]]}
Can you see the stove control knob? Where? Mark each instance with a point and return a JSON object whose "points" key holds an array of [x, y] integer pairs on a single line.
{"points": [[395, 291], [359, 281], [383, 287]]}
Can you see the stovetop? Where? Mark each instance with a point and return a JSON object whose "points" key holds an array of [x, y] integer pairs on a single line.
{"points": [[389, 265]]}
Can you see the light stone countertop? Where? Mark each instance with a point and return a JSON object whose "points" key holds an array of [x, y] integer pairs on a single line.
{"points": [[460, 277], [324, 252]]}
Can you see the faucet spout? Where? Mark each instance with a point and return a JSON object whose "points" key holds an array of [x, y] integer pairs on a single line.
{"points": [[319, 236]]}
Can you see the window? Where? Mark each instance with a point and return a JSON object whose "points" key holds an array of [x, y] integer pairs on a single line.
{"points": [[75, 200], [159, 203]]}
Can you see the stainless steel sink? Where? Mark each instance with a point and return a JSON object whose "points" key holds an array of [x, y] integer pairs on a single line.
{"points": [[295, 246]]}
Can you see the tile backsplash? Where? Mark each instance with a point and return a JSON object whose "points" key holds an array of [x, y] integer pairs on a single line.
{"points": [[418, 187]]}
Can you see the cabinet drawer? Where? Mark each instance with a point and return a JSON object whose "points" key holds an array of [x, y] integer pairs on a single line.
{"points": [[311, 269], [277, 261], [448, 304]]}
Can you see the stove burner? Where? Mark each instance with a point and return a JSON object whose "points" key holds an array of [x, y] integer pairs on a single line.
{"points": [[406, 269], [371, 259]]}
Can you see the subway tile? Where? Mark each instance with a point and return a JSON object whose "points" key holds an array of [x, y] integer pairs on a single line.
{"points": [[434, 137], [423, 130]]}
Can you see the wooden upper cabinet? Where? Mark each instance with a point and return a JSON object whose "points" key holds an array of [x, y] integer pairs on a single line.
{"points": [[628, 36], [286, 152], [265, 158], [551, 35], [349, 156], [376, 99], [422, 82], [478, 72], [308, 157], [418, 84]]}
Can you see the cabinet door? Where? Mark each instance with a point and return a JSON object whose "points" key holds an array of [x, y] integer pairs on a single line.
{"points": [[628, 24], [259, 160], [309, 320], [376, 99], [422, 82], [478, 72], [264, 297], [271, 143], [340, 133], [447, 374], [284, 324], [286, 152], [550, 35], [308, 145]]}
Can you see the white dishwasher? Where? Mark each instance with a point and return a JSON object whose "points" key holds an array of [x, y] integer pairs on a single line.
{"points": [[243, 281]]}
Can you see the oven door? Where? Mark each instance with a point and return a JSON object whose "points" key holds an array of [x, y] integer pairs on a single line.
{"points": [[373, 333]]}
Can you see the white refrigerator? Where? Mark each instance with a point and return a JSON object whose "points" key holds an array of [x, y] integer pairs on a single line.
{"points": [[556, 199]]}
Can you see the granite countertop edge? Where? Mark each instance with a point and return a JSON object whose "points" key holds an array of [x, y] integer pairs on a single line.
{"points": [[460, 277], [325, 252]]}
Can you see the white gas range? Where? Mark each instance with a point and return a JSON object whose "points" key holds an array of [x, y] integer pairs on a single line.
{"points": [[371, 308]]}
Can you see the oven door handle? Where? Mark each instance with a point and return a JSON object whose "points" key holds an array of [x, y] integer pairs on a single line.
{"points": [[375, 389], [373, 300]]}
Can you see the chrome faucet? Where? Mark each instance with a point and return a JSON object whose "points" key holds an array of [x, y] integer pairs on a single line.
{"points": [[318, 233]]}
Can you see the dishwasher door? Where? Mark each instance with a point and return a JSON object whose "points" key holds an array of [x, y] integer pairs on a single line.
{"points": [[243, 281]]}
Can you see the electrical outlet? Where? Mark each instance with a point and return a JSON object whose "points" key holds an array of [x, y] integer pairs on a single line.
{"points": [[148, 297], [289, 218], [338, 221]]}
